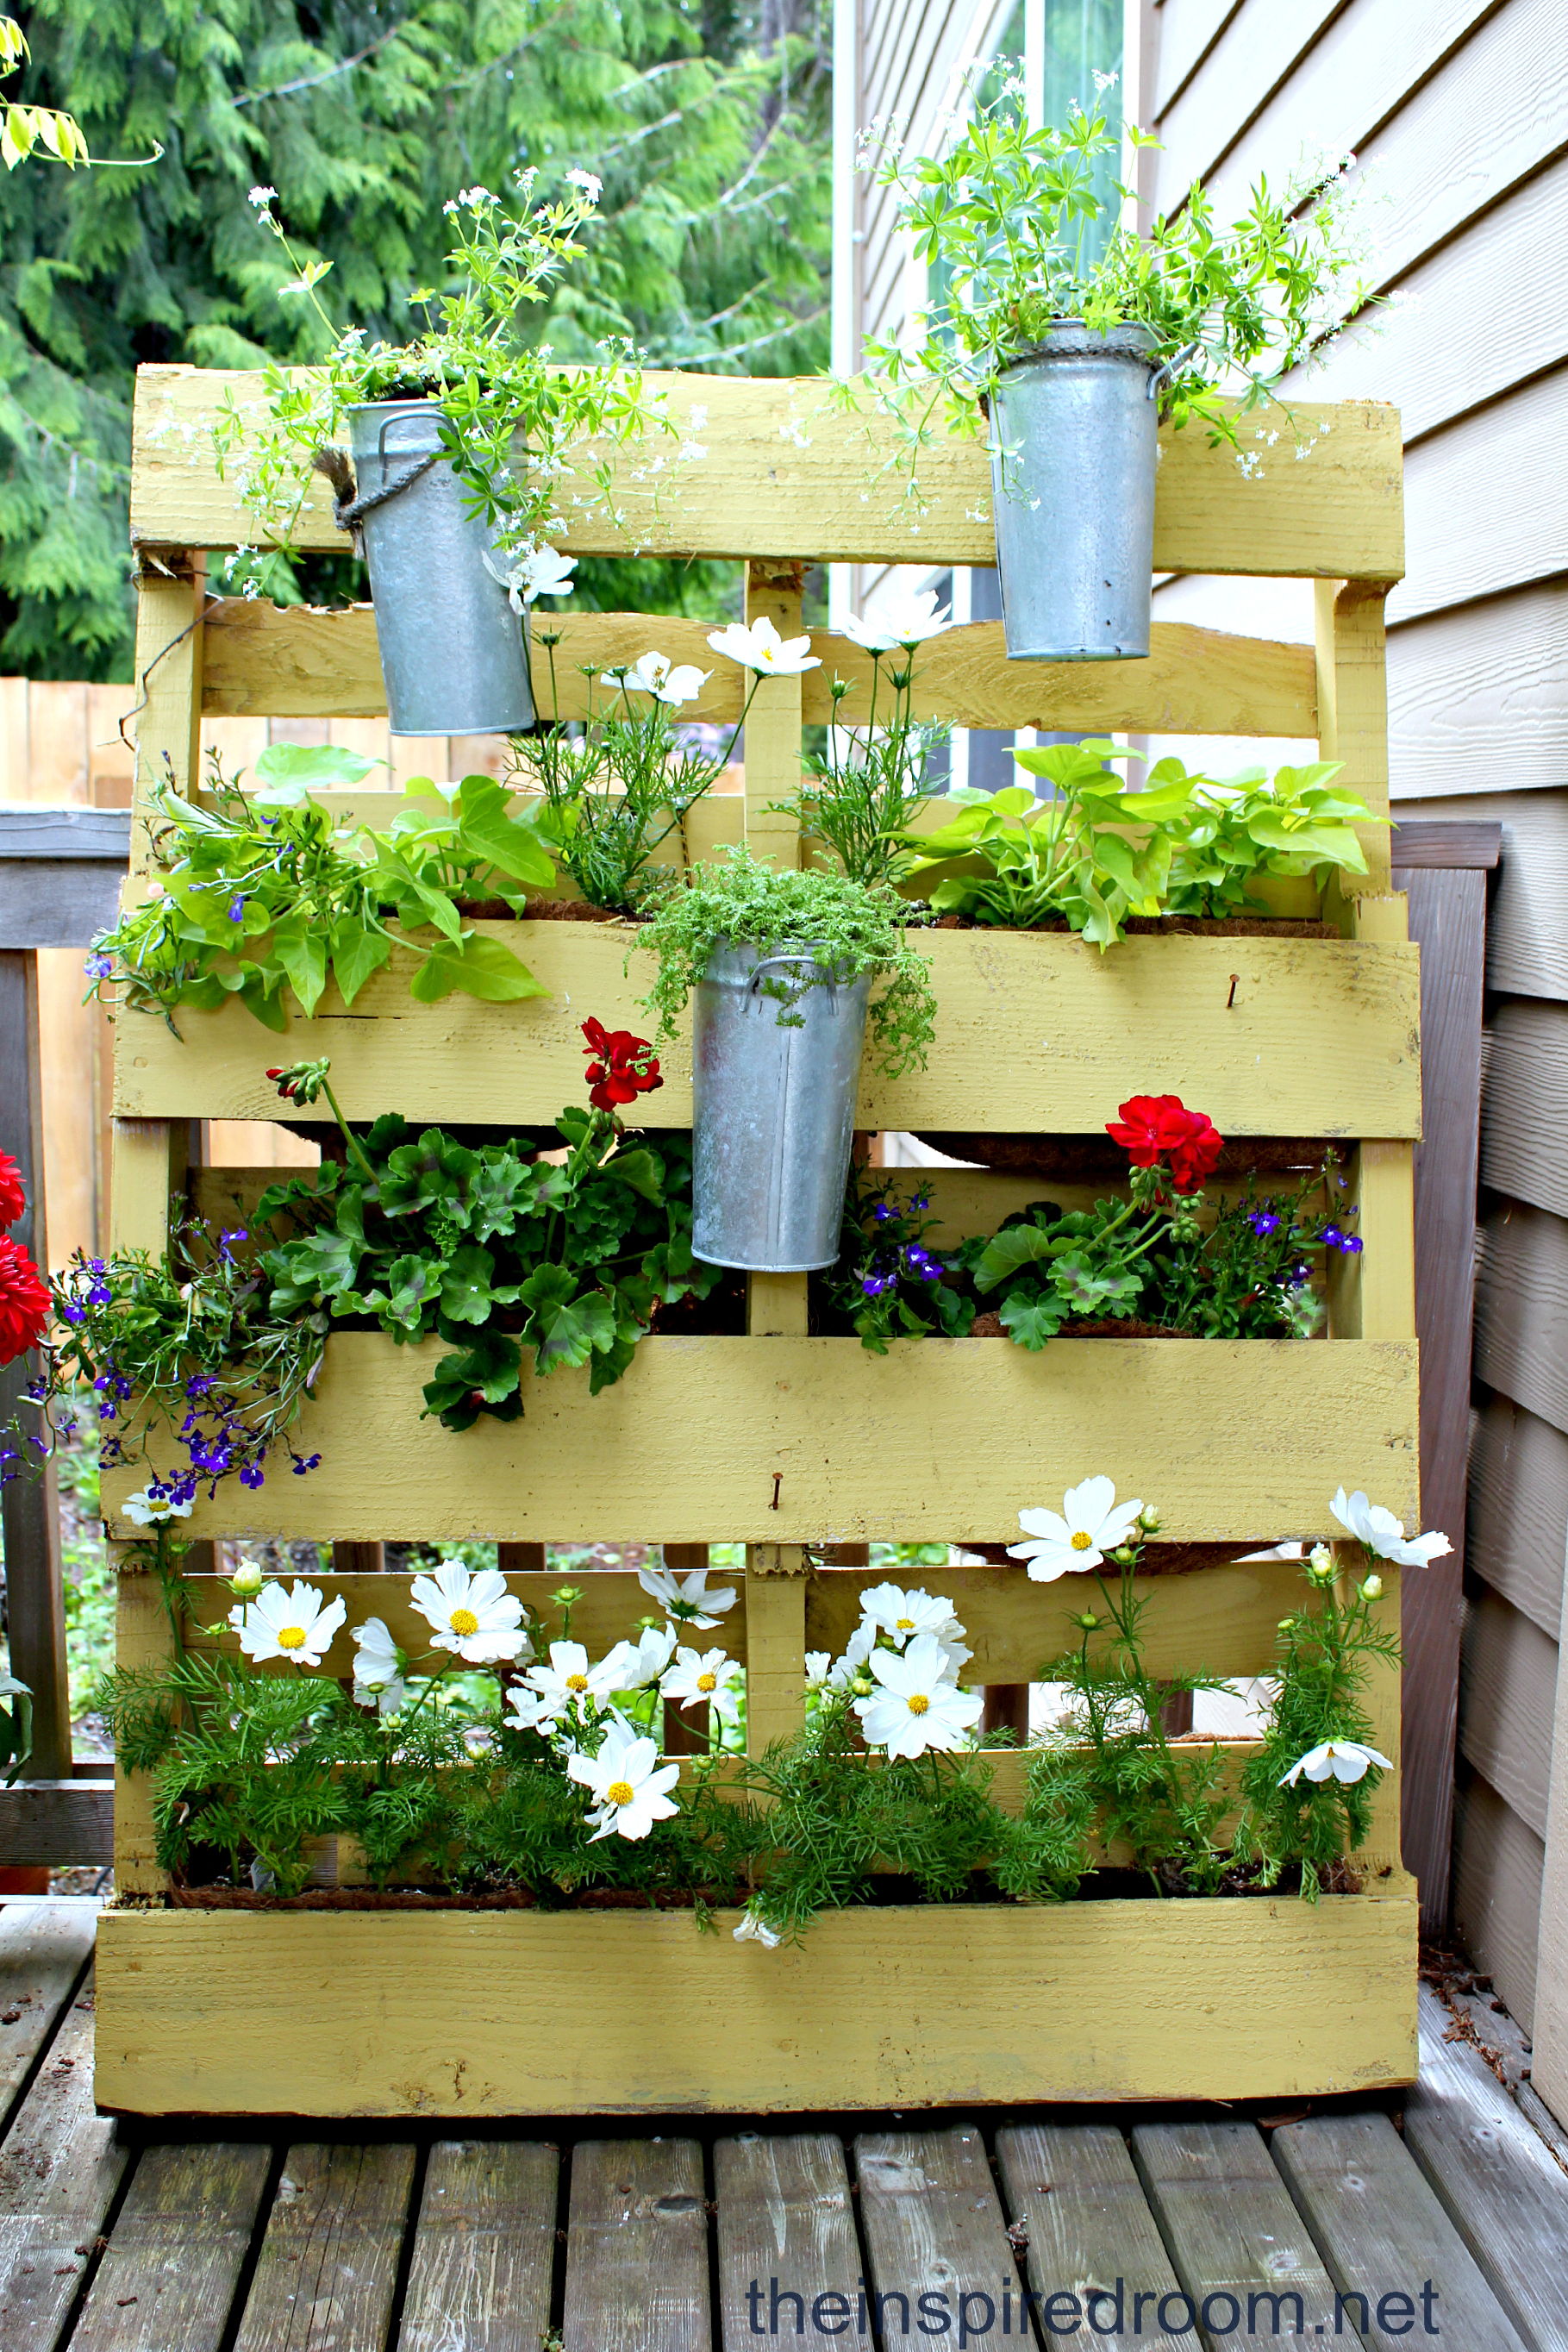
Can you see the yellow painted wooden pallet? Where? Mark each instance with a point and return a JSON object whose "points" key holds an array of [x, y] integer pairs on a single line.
{"points": [[782, 1441]]}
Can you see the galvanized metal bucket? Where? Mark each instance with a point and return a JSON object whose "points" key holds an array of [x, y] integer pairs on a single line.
{"points": [[773, 1111], [1074, 446], [453, 648]]}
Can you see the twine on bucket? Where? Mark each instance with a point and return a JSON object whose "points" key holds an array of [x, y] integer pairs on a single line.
{"points": [[349, 506]]}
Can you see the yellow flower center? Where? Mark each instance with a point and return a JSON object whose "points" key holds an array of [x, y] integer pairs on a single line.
{"points": [[918, 1703], [619, 1792], [707, 1682], [462, 1622], [291, 1637], [1081, 1542], [903, 1625], [580, 1681]]}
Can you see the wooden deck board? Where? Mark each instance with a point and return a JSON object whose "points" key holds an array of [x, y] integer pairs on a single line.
{"points": [[636, 2248], [168, 2278], [1386, 2236], [330, 2259], [1073, 2192], [1234, 2235], [941, 2260], [786, 2229], [44, 1947], [61, 2168], [484, 2249]]}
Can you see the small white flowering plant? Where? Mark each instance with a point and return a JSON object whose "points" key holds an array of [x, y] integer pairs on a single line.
{"points": [[1024, 228], [509, 418]]}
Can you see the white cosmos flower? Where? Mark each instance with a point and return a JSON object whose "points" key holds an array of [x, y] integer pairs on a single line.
{"points": [[900, 619], [1090, 1523], [698, 1677], [899, 1613], [917, 1707], [841, 1674], [1382, 1533], [471, 1613], [296, 1625], [760, 648], [1346, 1760], [149, 1510], [687, 1598], [529, 1710], [673, 683], [818, 1664], [755, 1929], [628, 1786], [545, 572], [631, 1664], [378, 1667], [568, 1676]]}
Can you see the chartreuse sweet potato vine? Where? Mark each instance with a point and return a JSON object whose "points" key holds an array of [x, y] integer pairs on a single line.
{"points": [[848, 926], [265, 896]]}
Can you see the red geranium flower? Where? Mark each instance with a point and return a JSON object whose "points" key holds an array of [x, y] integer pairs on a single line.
{"points": [[13, 1200], [24, 1302], [624, 1066], [1152, 1128]]}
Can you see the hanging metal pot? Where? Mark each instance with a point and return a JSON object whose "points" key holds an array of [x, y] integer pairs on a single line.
{"points": [[453, 646], [1074, 448], [773, 1108]]}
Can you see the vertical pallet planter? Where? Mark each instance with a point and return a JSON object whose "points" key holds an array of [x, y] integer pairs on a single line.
{"points": [[790, 1440]]}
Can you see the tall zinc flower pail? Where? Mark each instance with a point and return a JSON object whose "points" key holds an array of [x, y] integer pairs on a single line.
{"points": [[1075, 449], [454, 652], [774, 1086]]}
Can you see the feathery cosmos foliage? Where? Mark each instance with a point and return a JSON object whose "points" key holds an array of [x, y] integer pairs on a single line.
{"points": [[706, 119]]}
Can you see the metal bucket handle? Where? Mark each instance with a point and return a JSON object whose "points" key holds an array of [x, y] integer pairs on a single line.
{"points": [[1162, 376], [764, 963]]}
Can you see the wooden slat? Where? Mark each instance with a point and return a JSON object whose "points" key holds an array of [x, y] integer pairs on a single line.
{"points": [[1270, 1036], [1232, 2231], [636, 2248], [1521, 1310], [937, 2247], [1519, 1509], [168, 2278], [295, 660], [759, 492], [44, 1948], [1186, 32], [1386, 2236], [861, 1446], [484, 2249], [327, 2265], [1255, 56], [1074, 2193], [64, 1823], [785, 2227], [1498, 1862], [1461, 683], [1494, 2176], [1524, 1140], [1505, 1705], [1467, 845], [61, 2168]]}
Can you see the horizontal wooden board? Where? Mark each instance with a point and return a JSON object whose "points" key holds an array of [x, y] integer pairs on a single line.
{"points": [[1036, 1033], [1498, 1863], [1517, 1538], [1222, 1619], [1524, 1111], [294, 661], [786, 474], [1460, 683], [1509, 1679], [1482, 516], [1521, 1310], [790, 1440], [333, 2015]]}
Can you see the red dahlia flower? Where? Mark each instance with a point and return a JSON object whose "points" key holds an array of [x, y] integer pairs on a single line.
{"points": [[1152, 1128], [624, 1066], [24, 1302], [13, 1200]]}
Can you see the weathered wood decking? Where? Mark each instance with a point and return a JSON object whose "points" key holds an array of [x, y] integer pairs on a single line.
{"points": [[707, 2240]]}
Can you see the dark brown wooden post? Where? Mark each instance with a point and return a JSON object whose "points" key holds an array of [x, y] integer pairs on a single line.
{"points": [[688, 1729], [1444, 867]]}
